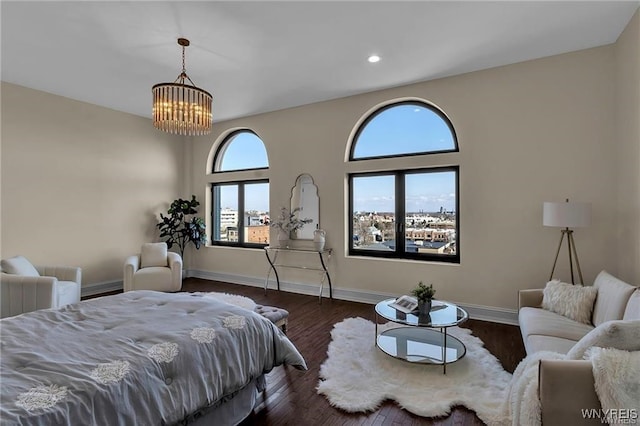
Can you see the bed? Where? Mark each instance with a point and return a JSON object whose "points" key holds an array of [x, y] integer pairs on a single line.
{"points": [[141, 357]]}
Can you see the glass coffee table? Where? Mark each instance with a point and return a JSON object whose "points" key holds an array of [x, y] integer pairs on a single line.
{"points": [[424, 339]]}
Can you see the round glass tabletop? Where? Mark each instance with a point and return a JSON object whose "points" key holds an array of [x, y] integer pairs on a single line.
{"points": [[443, 314]]}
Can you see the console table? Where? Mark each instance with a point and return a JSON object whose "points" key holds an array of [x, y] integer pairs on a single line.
{"points": [[274, 263]]}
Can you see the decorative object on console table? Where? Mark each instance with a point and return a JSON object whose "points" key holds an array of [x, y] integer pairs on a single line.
{"points": [[304, 197], [319, 239], [424, 295], [567, 215], [283, 238], [287, 223]]}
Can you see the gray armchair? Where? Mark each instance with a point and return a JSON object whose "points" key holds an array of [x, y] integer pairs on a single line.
{"points": [[25, 287]]}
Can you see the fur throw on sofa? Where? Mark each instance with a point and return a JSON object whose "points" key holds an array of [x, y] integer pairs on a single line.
{"points": [[522, 405], [616, 374], [619, 334], [617, 378]]}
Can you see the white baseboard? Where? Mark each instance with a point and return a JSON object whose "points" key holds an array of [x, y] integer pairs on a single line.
{"points": [[479, 312], [99, 288]]}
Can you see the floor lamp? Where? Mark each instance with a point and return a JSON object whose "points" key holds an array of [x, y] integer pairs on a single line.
{"points": [[567, 215]]}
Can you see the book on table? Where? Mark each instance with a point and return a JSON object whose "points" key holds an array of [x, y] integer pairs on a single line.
{"points": [[406, 304]]}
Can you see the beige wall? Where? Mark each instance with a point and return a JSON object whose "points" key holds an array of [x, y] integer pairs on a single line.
{"points": [[627, 140], [530, 132], [81, 185], [84, 185]]}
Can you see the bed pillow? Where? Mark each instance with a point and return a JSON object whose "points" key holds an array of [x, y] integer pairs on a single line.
{"points": [[19, 265], [617, 334], [153, 254], [571, 301]]}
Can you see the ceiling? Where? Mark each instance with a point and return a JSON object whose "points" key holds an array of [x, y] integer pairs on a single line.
{"points": [[263, 56]]}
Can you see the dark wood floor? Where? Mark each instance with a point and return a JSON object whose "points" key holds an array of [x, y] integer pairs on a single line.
{"points": [[291, 397]]}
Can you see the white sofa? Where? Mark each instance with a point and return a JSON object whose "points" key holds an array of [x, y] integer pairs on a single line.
{"points": [[567, 386], [25, 287]]}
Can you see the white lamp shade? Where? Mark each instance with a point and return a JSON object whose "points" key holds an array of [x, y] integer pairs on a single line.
{"points": [[566, 215]]}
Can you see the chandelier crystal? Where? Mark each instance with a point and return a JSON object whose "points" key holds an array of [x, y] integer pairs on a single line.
{"points": [[182, 108]]}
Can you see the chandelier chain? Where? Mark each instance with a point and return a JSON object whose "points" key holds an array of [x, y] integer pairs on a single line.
{"points": [[184, 70]]}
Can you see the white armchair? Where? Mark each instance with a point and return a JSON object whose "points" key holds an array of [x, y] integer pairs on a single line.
{"points": [[25, 287], [154, 268]]}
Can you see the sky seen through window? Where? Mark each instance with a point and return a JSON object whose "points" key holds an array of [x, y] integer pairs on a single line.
{"points": [[401, 129]]}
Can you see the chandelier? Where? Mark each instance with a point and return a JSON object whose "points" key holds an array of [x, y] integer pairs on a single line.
{"points": [[182, 108]]}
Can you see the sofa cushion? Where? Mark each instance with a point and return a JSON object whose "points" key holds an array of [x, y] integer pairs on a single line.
{"points": [[542, 322], [155, 277], [572, 301], [613, 295], [624, 335], [19, 265], [153, 254], [536, 343], [67, 292], [632, 311]]}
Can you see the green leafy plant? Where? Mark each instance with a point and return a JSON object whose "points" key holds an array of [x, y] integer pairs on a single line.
{"points": [[423, 292], [177, 228]]}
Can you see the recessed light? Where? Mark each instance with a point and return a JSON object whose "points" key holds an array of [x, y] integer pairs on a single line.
{"points": [[373, 59]]}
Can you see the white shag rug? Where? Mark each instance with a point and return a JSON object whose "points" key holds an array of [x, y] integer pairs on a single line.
{"points": [[233, 299], [358, 377]]}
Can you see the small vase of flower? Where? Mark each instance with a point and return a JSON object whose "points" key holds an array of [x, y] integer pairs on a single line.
{"points": [[424, 295], [286, 223], [283, 238]]}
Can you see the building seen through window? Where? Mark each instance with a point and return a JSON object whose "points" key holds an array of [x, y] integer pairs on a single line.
{"points": [[405, 212], [240, 207]]}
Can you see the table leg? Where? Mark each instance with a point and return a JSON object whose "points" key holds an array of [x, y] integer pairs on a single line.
{"points": [[271, 267], [444, 352], [326, 272], [375, 335]]}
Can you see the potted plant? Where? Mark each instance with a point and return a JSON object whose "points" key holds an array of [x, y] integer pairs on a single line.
{"points": [[288, 222], [424, 296], [180, 230]]}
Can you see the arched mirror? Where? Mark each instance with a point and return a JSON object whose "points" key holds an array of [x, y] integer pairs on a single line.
{"points": [[304, 195]]}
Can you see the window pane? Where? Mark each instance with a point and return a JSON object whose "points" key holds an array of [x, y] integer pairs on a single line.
{"points": [[256, 206], [430, 213], [409, 128], [225, 213], [243, 150], [373, 214]]}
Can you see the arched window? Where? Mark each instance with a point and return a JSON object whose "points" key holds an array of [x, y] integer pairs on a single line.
{"points": [[241, 150], [240, 205], [405, 128], [404, 211]]}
